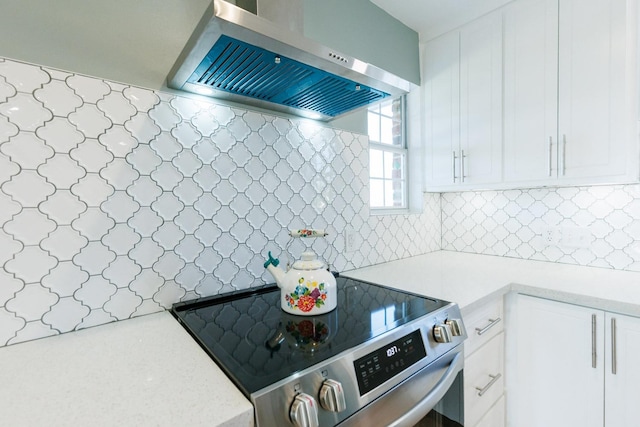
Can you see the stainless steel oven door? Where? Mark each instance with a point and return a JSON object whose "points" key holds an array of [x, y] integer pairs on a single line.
{"points": [[432, 397]]}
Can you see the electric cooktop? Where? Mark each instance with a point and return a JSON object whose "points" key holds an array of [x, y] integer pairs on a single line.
{"points": [[257, 344]]}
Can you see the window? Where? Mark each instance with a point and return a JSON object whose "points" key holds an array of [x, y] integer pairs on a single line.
{"points": [[387, 155]]}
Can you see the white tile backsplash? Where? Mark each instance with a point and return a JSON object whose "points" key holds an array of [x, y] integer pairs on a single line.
{"points": [[593, 226], [117, 201]]}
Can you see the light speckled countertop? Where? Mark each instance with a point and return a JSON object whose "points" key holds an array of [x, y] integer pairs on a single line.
{"points": [[148, 371], [470, 280]]}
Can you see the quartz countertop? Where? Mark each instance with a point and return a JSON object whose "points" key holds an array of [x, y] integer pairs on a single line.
{"points": [[148, 371], [470, 280], [145, 371]]}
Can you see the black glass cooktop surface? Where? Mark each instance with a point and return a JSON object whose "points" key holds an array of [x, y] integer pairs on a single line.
{"points": [[257, 344]]}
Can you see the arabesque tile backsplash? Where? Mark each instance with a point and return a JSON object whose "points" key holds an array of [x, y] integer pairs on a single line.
{"points": [[116, 201], [595, 226]]}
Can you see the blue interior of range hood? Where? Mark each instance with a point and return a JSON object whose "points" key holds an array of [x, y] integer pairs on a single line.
{"points": [[243, 69]]}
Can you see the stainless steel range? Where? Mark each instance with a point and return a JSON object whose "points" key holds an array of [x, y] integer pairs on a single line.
{"points": [[382, 357]]}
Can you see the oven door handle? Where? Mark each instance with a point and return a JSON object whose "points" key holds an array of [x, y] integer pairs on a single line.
{"points": [[425, 405]]}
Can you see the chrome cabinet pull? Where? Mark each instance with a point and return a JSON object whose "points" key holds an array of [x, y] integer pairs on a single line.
{"points": [[483, 390], [593, 341], [550, 153], [454, 158], [614, 345], [492, 323], [564, 154], [462, 157]]}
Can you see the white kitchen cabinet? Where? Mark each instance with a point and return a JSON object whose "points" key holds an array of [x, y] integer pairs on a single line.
{"points": [[622, 384], [495, 417], [564, 364], [555, 378], [484, 379], [530, 90], [596, 88], [570, 104], [481, 101], [484, 366], [463, 105], [442, 106], [483, 323]]}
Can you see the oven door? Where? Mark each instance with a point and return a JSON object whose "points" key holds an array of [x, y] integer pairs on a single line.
{"points": [[432, 397]]}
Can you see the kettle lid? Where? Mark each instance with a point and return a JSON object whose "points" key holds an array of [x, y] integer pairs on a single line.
{"points": [[308, 261]]}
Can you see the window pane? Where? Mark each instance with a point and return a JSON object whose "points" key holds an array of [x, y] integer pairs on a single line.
{"points": [[376, 164], [394, 194], [386, 109], [388, 192], [386, 130], [377, 193], [394, 165], [373, 121], [398, 166], [398, 140]]}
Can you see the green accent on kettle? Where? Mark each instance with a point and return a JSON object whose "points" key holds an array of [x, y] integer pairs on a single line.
{"points": [[273, 261]]}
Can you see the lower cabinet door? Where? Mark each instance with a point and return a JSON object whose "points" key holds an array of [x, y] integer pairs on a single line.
{"points": [[495, 416], [622, 371], [559, 366], [483, 379]]}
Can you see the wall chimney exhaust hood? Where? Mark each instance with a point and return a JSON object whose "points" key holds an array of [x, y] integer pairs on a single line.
{"points": [[236, 55]]}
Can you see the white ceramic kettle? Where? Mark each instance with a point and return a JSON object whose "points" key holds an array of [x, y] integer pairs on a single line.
{"points": [[308, 288]]}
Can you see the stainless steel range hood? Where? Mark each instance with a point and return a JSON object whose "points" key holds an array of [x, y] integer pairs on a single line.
{"points": [[237, 55]]}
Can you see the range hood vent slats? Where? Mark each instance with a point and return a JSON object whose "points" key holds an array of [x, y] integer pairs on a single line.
{"points": [[331, 95], [236, 67], [215, 69], [236, 70], [239, 56]]}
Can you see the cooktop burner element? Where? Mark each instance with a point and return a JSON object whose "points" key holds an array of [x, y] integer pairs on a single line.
{"points": [[374, 339]]}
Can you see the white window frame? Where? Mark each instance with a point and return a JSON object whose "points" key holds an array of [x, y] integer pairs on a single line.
{"points": [[403, 149]]}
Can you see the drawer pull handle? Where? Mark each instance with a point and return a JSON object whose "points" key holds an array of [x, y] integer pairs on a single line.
{"points": [[492, 323], [486, 388]]}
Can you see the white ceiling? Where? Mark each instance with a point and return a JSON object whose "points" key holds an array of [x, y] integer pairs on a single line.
{"points": [[430, 18]]}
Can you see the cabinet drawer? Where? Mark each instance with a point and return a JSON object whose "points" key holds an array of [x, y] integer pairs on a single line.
{"points": [[483, 324], [483, 379], [495, 417]]}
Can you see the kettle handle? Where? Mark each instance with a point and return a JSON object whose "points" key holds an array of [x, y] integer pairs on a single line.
{"points": [[307, 232]]}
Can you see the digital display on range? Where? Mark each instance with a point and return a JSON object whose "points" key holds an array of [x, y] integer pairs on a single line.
{"points": [[386, 362]]}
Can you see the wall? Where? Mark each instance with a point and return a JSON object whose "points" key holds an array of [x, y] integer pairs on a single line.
{"points": [[593, 226], [117, 201], [120, 40]]}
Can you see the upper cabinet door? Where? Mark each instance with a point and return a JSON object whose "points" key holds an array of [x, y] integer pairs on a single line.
{"points": [[442, 109], [530, 90], [597, 96], [481, 100]]}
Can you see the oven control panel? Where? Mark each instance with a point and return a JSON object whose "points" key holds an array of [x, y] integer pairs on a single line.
{"points": [[387, 361]]}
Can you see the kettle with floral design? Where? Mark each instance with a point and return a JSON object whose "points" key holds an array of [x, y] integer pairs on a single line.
{"points": [[308, 288]]}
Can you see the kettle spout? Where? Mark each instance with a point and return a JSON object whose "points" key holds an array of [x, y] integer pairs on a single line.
{"points": [[272, 266]]}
